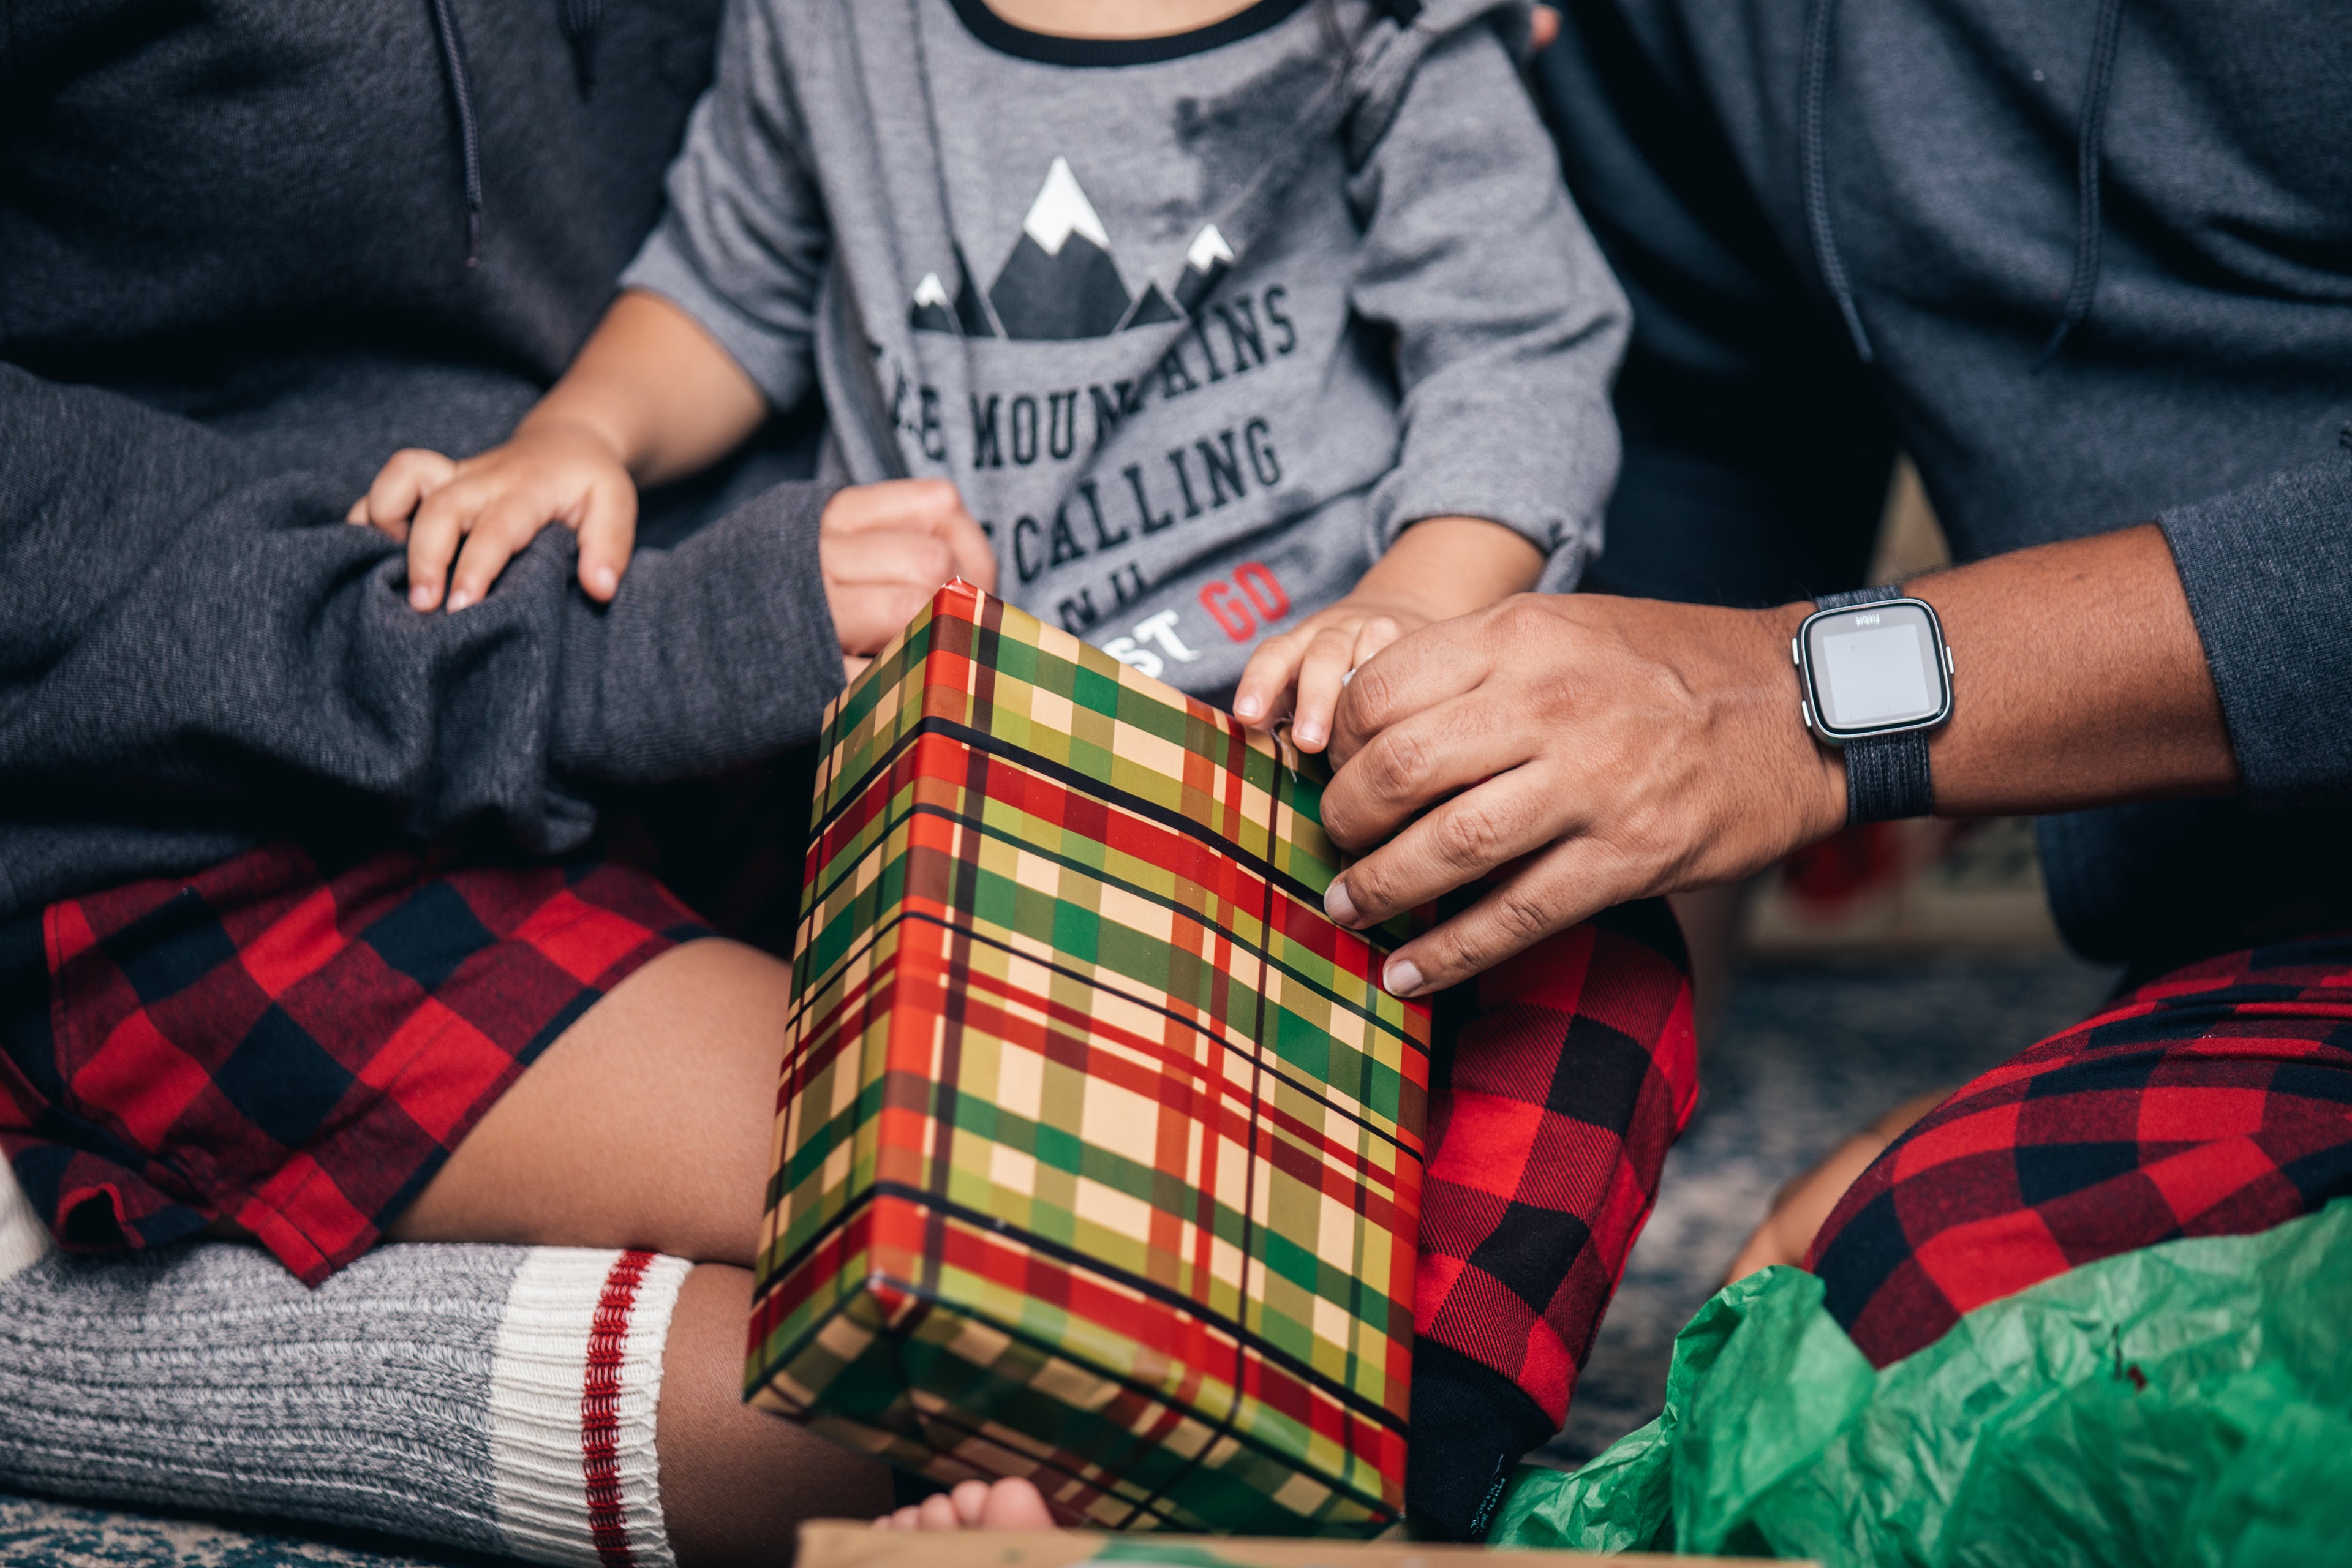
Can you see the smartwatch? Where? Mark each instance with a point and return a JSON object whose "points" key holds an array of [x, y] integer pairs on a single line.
{"points": [[1876, 677]]}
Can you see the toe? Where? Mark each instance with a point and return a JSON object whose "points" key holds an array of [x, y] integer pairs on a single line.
{"points": [[1016, 1504]]}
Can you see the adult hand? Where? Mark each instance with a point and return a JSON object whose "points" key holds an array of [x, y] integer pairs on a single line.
{"points": [[886, 548], [1578, 749], [1583, 751]]}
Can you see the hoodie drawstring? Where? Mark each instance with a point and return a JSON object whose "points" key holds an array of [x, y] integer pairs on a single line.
{"points": [[1814, 90], [461, 90], [579, 20], [2090, 141]]}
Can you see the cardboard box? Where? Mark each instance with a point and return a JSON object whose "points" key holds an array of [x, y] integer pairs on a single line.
{"points": [[829, 1544], [1098, 1154]]}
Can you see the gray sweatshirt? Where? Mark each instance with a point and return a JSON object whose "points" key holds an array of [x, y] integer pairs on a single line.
{"points": [[1197, 325]]}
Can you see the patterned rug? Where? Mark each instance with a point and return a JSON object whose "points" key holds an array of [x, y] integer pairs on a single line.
{"points": [[1807, 1054], [36, 1534]]}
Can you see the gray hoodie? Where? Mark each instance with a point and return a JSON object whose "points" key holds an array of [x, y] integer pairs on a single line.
{"points": [[2095, 261], [1198, 325]]}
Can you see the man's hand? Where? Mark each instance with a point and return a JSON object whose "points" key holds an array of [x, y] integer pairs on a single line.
{"points": [[1582, 750], [886, 548], [1585, 751]]}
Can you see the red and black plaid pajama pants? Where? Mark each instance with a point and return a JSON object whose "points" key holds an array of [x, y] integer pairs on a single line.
{"points": [[2216, 1099], [292, 1045], [297, 1046], [1562, 1078]]}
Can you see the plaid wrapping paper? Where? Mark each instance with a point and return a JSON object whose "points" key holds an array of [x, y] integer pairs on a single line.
{"points": [[1099, 1152]]}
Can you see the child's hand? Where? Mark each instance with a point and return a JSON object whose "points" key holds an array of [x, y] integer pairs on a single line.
{"points": [[481, 513], [886, 548], [1309, 663], [1438, 568]]}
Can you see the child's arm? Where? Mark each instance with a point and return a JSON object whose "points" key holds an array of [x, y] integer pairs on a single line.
{"points": [[1507, 328], [651, 397], [714, 328], [1507, 325], [1439, 568]]}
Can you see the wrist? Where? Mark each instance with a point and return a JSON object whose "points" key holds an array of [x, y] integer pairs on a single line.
{"points": [[581, 426], [1450, 565], [1814, 775]]}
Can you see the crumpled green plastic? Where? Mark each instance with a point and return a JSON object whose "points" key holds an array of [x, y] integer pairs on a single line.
{"points": [[2187, 1405]]}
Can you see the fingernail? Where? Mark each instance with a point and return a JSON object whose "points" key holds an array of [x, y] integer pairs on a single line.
{"points": [[420, 598], [1309, 735], [1339, 905], [1248, 708], [603, 579], [458, 600], [1403, 977]]}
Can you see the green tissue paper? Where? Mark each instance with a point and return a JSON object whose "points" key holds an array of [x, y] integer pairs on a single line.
{"points": [[2185, 1404]]}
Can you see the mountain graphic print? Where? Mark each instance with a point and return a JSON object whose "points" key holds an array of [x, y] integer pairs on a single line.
{"points": [[1061, 282]]}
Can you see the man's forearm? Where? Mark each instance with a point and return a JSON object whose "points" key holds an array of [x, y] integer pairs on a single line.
{"points": [[1582, 751], [2078, 680]]}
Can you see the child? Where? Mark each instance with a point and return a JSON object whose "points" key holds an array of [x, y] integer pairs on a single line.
{"points": [[1239, 339], [1251, 344]]}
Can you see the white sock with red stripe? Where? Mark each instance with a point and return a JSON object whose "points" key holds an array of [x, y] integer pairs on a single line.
{"points": [[23, 1241], [495, 1398], [572, 1396]]}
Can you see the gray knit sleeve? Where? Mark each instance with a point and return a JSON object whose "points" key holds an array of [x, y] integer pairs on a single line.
{"points": [[192, 643], [745, 243], [2268, 571], [716, 652], [1508, 324]]}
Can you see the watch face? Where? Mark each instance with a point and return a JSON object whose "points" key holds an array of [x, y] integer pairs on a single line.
{"points": [[1876, 667]]}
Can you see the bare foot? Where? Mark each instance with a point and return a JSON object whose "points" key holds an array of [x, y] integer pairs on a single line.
{"points": [[1801, 1208], [1013, 1504]]}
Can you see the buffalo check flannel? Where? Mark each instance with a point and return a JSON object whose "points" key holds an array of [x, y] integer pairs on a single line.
{"points": [[2213, 1101], [1565, 1075], [292, 1045], [1099, 1152]]}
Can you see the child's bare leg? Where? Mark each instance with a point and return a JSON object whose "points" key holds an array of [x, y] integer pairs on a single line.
{"points": [[1803, 1204], [736, 1481], [646, 1125]]}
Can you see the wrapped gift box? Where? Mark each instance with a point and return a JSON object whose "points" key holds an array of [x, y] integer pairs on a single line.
{"points": [[1098, 1154]]}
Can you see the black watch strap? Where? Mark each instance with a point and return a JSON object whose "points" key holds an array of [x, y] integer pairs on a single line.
{"points": [[1886, 776]]}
